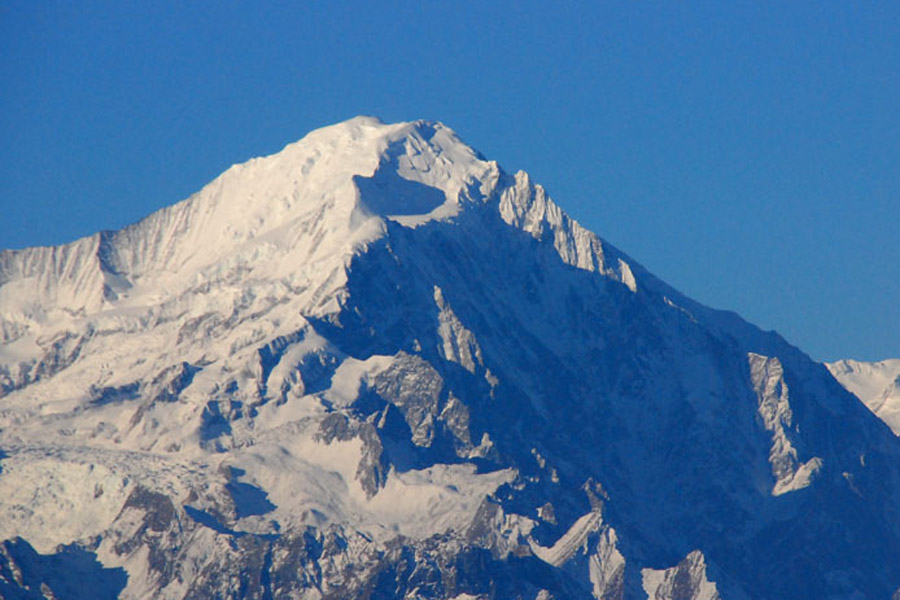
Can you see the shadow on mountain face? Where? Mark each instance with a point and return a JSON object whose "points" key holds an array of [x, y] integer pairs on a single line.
{"points": [[72, 573], [387, 193]]}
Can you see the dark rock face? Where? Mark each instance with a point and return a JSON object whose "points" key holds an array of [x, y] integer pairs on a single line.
{"points": [[158, 508]]}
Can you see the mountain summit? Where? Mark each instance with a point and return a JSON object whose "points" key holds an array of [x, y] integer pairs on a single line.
{"points": [[376, 365]]}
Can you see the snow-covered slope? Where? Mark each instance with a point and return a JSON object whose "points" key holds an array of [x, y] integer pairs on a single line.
{"points": [[877, 384], [376, 365]]}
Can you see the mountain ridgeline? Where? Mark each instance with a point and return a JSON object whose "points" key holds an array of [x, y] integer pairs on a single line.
{"points": [[376, 365]]}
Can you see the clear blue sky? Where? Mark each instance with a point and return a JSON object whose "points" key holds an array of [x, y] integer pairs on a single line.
{"points": [[746, 152]]}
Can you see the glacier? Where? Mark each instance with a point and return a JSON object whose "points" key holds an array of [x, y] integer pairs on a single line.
{"points": [[377, 365]]}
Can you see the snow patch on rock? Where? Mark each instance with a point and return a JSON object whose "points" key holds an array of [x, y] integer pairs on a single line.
{"points": [[775, 413], [685, 581]]}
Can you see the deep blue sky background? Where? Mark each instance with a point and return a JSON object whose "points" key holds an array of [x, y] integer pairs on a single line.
{"points": [[746, 152]]}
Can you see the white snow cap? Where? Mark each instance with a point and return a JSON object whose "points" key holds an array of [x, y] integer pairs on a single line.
{"points": [[301, 206]]}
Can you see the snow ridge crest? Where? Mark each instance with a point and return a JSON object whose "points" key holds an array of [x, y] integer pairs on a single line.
{"points": [[295, 217]]}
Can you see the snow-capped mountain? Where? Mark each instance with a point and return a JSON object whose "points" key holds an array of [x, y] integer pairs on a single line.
{"points": [[877, 384], [375, 365]]}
